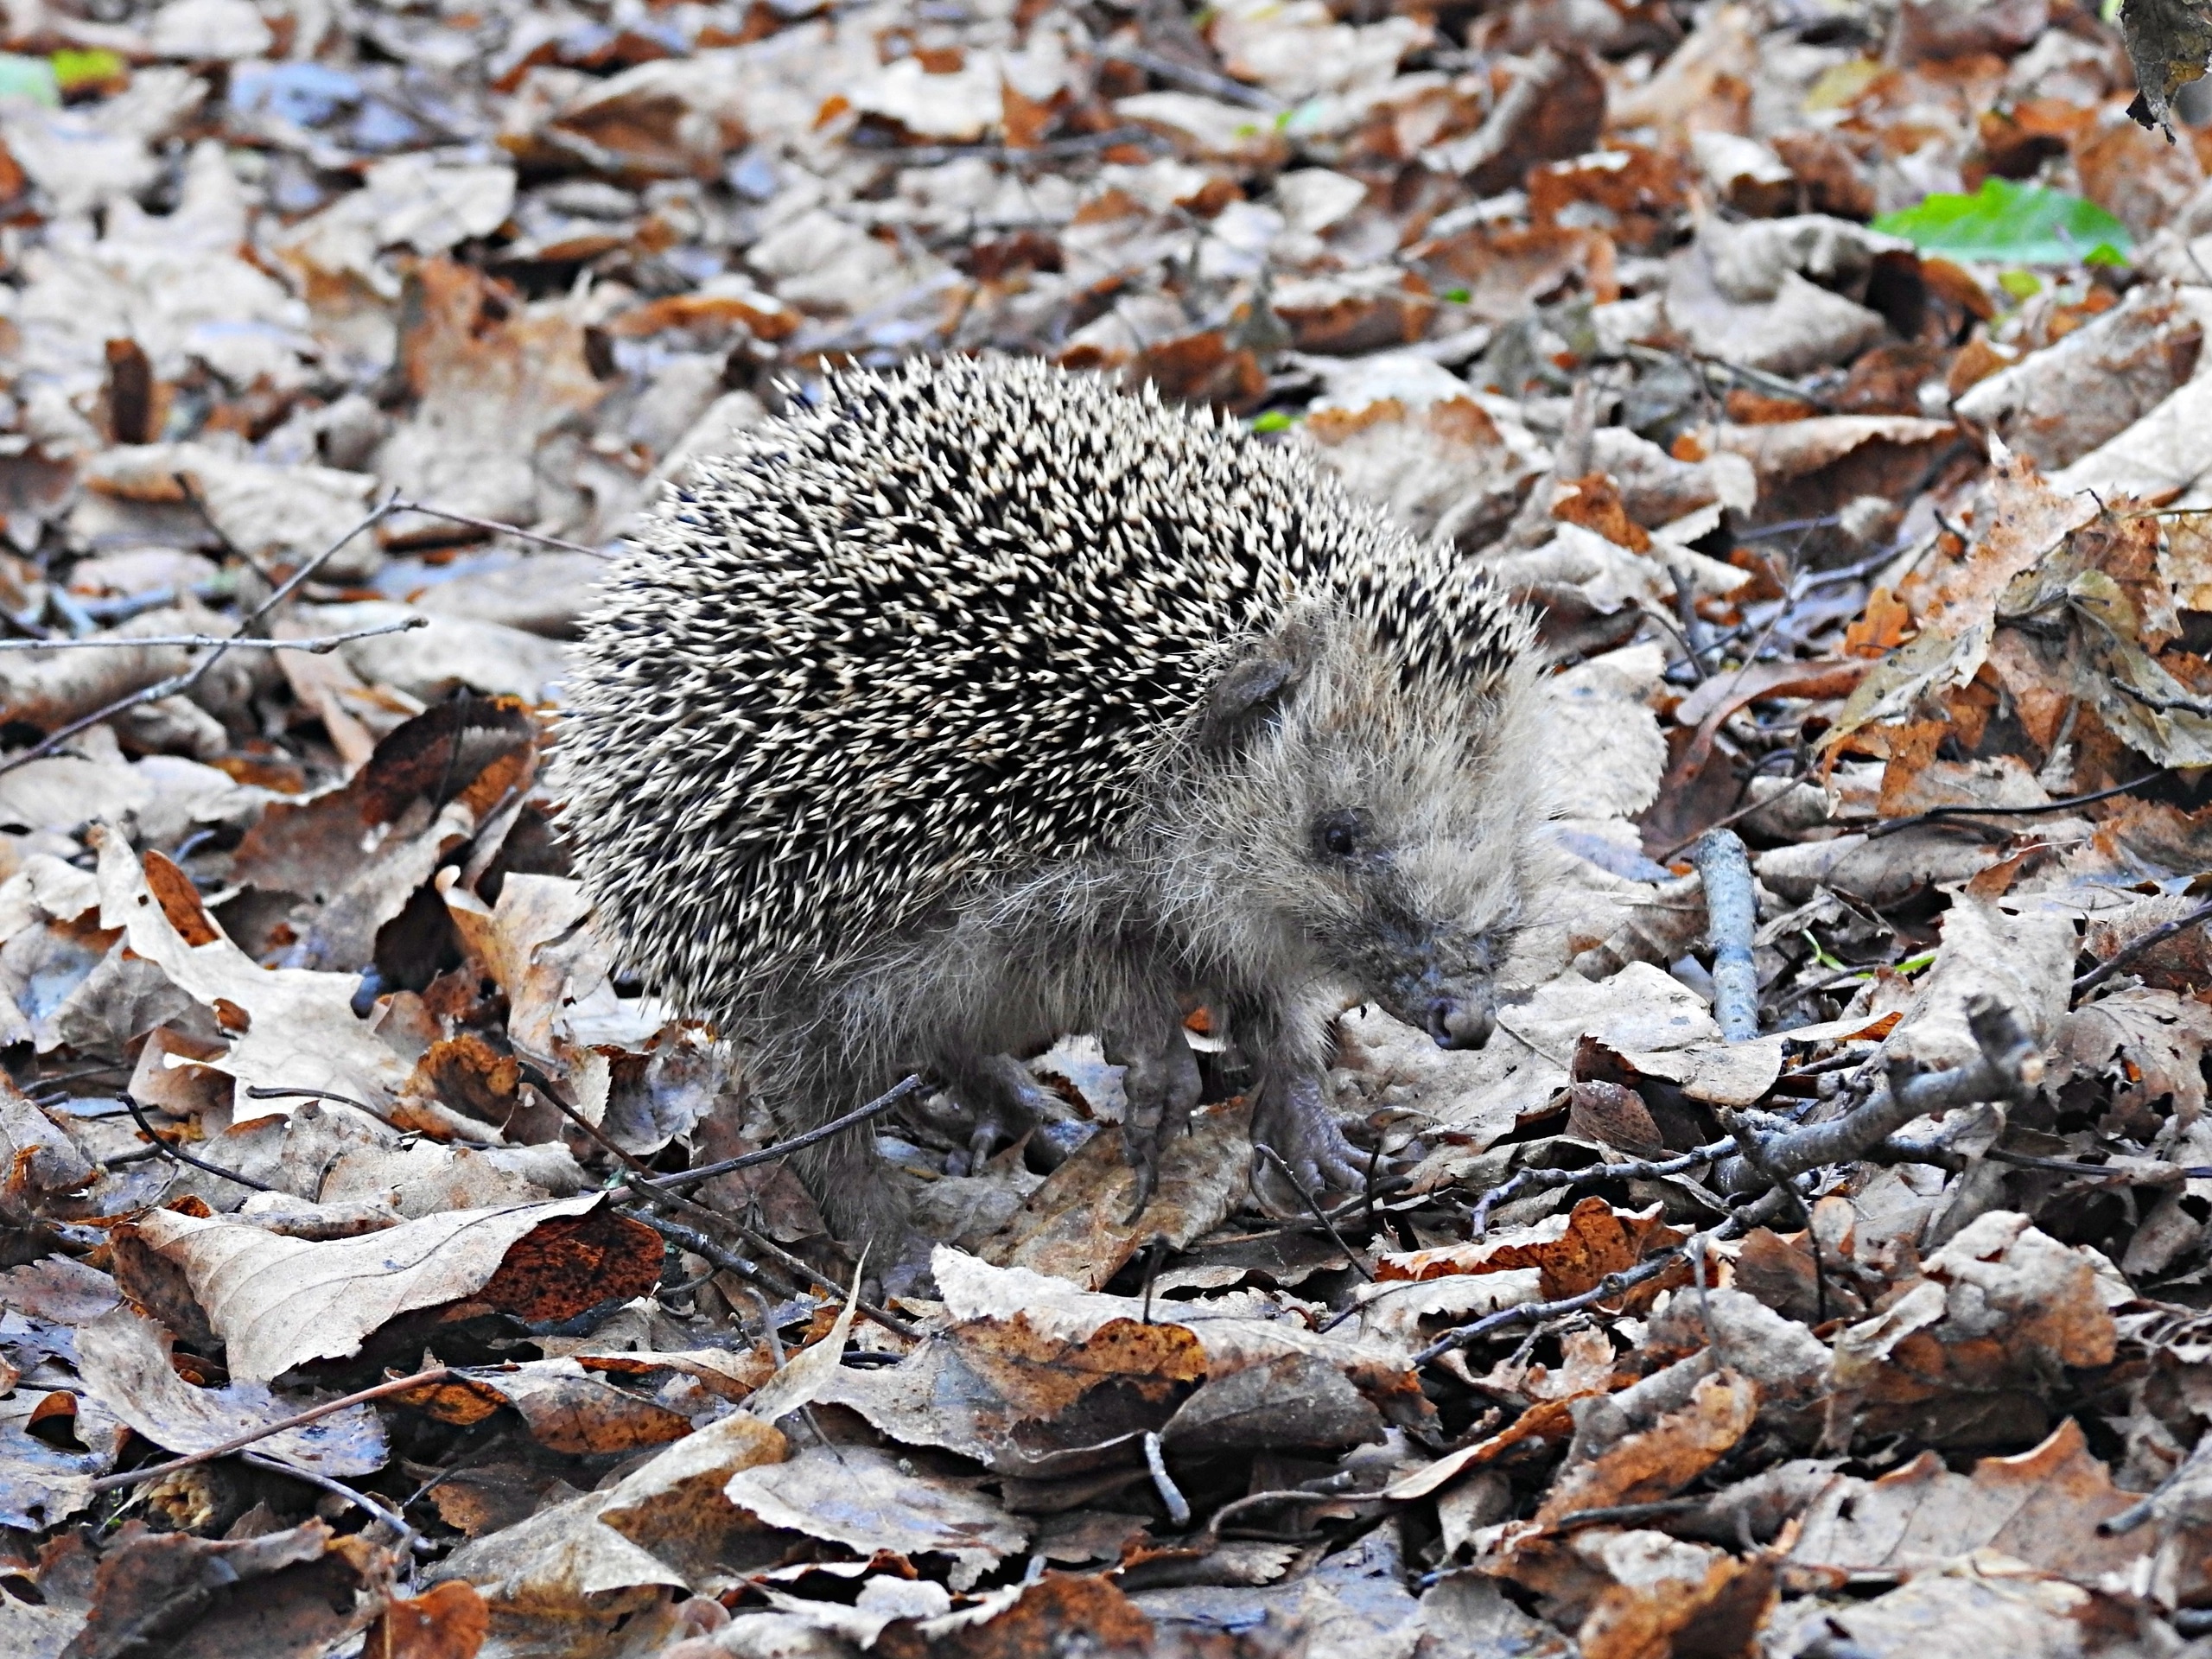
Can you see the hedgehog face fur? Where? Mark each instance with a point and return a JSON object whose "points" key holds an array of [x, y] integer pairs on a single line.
{"points": [[981, 703], [1371, 825]]}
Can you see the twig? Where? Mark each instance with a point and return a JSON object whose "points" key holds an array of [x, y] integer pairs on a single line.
{"points": [[255, 1092], [2128, 952], [1789, 527], [1198, 80], [1286, 1495], [1612, 1285], [1171, 1496], [2196, 706], [2009, 1066], [637, 1179], [1012, 156], [722, 1258], [768, 1246], [201, 641], [684, 1179], [407, 1538], [1590, 1175], [162, 1150], [1614, 1514], [1754, 1152], [316, 1414], [175, 684], [401, 505], [1935, 814], [183, 481], [1319, 1215], [1732, 912], [1732, 819]]}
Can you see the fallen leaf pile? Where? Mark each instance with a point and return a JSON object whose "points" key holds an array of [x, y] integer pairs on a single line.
{"points": [[1830, 376]]}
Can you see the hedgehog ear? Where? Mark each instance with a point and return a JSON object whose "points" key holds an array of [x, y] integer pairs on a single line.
{"points": [[1249, 694]]}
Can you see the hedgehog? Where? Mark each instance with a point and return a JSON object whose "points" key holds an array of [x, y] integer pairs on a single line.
{"points": [[980, 702]]}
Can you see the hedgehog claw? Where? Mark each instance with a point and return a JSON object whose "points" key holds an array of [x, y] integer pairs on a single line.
{"points": [[1295, 1124]]}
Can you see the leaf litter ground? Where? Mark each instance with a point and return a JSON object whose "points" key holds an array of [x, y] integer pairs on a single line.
{"points": [[351, 1300]]}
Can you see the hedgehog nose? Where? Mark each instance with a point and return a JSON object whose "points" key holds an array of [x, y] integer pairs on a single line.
{"points": [[1460, 1022]]}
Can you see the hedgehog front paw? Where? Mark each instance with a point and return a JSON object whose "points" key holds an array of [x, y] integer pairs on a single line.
{"points": [[1160, 1083], [1293, 1121]]}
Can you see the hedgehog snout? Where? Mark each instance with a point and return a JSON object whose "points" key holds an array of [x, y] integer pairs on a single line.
{"points": [[1463, 1020]]}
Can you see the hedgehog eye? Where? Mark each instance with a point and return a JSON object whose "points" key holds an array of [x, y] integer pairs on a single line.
{"points": [[1339, 834]]}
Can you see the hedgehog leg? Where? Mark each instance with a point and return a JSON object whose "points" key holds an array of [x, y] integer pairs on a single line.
{"points": [[1292, 1119], [859, 1197], [1291, 1111], [1161, 1082], [999, 1092]]}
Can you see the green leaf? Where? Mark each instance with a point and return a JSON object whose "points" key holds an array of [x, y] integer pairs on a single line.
{"points": [[2004, 223], [92, 68], [1274, 420], [1458, 296], [30, 77]]}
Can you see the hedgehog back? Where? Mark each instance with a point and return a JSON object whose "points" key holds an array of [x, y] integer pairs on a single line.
{"points": [[933, 627]]}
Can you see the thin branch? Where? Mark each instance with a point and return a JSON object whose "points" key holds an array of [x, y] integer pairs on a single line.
{"points": [[1643, 1169], [1285, 1494], [314, 1414], [638, 1179], [201, 641], [1198, 80], [2135, 948], [1012, 156], [1613, 1284], [1171, 1496], [255, 1092], [401, 504], [1732, 819], [685, 1179], [192, 494], [407, 1539], [1731, 913], [1936, 814], [178, 683], [1319, 1215], [2009, 1067], [162, 1148]]}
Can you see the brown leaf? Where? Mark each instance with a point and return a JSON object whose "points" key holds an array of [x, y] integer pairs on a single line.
{"points": [[2041, 1507], [1059, 1611], [2170, 41], [447, 1621], [281, 1596], [125, 1359], [1660, 1460], [1078, 1225], [276, 1301], [1573, 1252], [862, 1498], [1961, 1356], [1299, 1400]]}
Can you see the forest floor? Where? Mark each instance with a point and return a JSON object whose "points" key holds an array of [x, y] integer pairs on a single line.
{"points": [[1830, 373]]}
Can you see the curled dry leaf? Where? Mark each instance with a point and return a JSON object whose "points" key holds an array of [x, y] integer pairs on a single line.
{"points": [[125, 1359], [1077, 1226], [1958, 1355], [289, 1027], [304, 1591], [1572, 1253], [862, 1498], [278, 1302], [2041, 1507], [1658, 1461]]}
